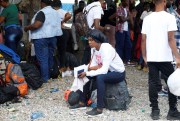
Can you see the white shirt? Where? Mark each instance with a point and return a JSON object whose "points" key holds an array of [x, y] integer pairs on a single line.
{"points": [[94, 13], [156, 27], [144, 14], [62, 13], [108, 58], [125, 28]]}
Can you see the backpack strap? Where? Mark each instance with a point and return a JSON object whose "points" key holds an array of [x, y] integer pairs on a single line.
{"points": [[86, 12]]}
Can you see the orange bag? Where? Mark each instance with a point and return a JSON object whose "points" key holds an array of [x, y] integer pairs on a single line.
{"points": [[66, 94], [15, 76]]}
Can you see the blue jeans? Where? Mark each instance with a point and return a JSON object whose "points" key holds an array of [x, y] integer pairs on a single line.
{"points": [[100, 80], [123, 45], [44, 49], [13, 35]]}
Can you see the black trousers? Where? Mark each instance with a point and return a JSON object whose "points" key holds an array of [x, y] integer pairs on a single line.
{"points": [[167, 69], [61, 46]]}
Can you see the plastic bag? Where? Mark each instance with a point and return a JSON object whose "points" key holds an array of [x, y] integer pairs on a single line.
{"points": [[174, 82]]}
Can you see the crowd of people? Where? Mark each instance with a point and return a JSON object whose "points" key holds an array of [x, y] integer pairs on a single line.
{"points": [[120, 34]]}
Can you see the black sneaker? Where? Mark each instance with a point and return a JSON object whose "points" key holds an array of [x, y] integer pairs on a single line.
{"points": [[173, 115], [77, 106], [94, 112], [155, 114]]}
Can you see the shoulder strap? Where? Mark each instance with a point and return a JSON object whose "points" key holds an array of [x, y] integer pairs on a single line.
{"points": [[86, 12], [114, 56]]}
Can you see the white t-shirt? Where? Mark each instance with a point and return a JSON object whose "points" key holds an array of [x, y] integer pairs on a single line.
{"points": [[94, 13], [108, 58], [62, 13], [156, 27], [125, 28], [144, 14]]}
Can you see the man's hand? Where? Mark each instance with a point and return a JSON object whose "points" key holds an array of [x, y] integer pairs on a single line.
{"points": [[82, 75], [177, 62]]}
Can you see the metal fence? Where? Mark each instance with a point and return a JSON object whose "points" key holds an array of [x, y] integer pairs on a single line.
{"points": [[67, 7]]}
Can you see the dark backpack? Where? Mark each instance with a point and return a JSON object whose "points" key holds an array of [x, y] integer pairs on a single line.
{"points": [[81, 24], [5, 97], [2, 82], [73, 98], [7, 93], [32, 75], [117, 96], [71, 60]]}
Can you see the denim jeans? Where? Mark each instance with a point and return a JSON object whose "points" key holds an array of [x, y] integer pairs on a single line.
{"points": [[123, 45], [13, 35], [167, 69], [100, 80], [44, 49]]}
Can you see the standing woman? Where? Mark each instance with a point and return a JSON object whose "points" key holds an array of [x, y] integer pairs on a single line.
{"points": [[62, 41], [13, 31]]}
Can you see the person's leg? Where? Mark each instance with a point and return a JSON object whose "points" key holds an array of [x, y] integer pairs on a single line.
{"points": [[61, 45], [127, 46], [110, 77], [154, 89], [153, 85], [86, 90], [41, 50], [120, 44], [52, 47], [12, 36], [173, 114], [75, 44], [86, 55], [167, 69]]}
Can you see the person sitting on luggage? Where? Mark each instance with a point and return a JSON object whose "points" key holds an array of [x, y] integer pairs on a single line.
{"points": [[105, 66]]}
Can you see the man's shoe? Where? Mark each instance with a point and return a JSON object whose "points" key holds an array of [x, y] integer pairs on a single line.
{"points": [[129, 63], [162, 93], [94, 112], [173, 115], [77, 106], [155, 114], [76, 47]]}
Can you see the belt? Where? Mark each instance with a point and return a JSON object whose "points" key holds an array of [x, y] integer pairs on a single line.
{"points": [[12, 25]]}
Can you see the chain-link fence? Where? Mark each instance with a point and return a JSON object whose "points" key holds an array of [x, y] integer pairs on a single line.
{"points": [[68, 7]]}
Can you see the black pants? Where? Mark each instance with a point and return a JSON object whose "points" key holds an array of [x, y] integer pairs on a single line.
{"points": [[101, 80], [167, 69], [61, 46]]}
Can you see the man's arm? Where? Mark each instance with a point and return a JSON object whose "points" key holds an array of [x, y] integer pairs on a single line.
{"points": [[96, 25], [34, 26], [39, 20], [67, 17], [143, 47], [172, 44], [2, 18]]}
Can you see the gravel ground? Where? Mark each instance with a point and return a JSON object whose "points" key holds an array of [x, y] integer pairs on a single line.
{"points": [[54, 108]]}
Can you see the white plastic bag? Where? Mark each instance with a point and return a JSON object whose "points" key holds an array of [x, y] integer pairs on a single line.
{"points": [[79, 83], [174, 82]]}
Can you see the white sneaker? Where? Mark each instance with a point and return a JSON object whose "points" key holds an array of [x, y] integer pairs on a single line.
{"points": [[66, 73], [76, 46]]}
